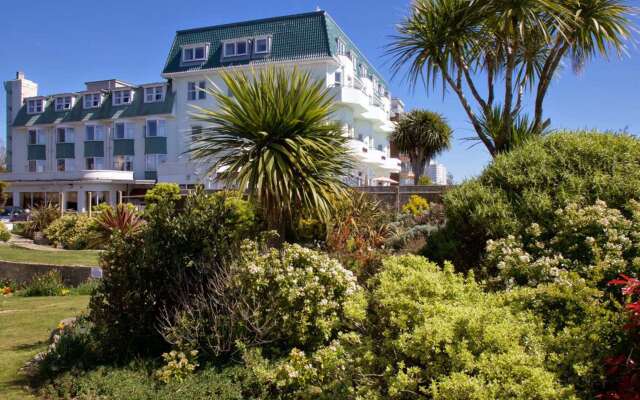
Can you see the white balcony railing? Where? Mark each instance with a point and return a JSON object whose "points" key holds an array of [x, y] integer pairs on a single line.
{"points": [[82, 175]]}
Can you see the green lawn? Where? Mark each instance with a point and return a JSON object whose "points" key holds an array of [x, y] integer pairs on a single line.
{"points": [[66, 257], [25, 325]]}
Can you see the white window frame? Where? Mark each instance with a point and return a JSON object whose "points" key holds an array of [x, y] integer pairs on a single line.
{"points": [[98, 133], [338, 77], [267, 39], [196, 90], [234, 43], [69, 164], [64, 103], [40, 136], [341, 47], [89, 100], [37, 165], [129, 130], [119, 96], [69, 134], [35, 106], [96, 161], [152, 161], [161, 127], [121, 162], [154, 94], [193, 48]]}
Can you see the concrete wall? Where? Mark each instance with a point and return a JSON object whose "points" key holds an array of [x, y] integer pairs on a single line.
{"points": [[23, 273]]}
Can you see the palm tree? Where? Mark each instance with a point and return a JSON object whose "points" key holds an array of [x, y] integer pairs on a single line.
{"points": [[421, 135], [272, 137], [511, 47]]}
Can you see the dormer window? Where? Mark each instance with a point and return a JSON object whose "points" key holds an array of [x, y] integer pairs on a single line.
{"points": [[35, 106], [341, 48], [262, 45], [92, 100], [195, 52], [153, 94], [64, 103], [236, 48], [121, 97]]}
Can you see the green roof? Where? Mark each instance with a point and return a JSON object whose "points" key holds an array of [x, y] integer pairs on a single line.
{"points": [[107, 110], [294, 37]]}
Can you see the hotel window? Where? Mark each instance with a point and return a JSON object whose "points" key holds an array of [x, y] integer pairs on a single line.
{"points": [[92, 100], [153, 94], [338, 77], [94, 132], [236, 48], [123, 130], [64, 103], [94, 163], [194, 53], [65, 164], [152, 161], [65, 135], [123, 163], [122, 97], [155, 128], [262, 45], [364, 73], [37, 136], [35, 106], [196, 90], [37, 165]]}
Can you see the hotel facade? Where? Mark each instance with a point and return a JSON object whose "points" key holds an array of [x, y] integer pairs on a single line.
{"points": [[116, 138]]}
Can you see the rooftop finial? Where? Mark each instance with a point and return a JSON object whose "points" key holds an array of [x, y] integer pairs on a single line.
{"points": [[318, 8]]}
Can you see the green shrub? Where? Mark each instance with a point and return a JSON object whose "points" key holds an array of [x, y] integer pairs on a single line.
{"points": [[162, 192], [424, 180], [5, 235], [135, 382], [145, 274], [72, 231], [293, 297], [41, 217], [528, 184], [86, 288], [20, 228], [47, 284]]}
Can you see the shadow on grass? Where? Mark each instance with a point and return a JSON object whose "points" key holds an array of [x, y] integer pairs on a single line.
{"points": [[29, 346]]}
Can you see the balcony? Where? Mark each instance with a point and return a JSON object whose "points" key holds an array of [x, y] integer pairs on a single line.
{"points": [[82, 175]]}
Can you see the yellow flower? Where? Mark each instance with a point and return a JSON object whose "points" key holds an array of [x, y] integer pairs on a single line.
{"points": [[64, 292]]}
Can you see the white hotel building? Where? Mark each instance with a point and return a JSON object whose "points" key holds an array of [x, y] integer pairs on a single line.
{"points": [[118, 138]]}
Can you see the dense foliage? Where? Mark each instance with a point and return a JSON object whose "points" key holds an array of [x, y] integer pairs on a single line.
{"points": [[72, 231], [529, 184], [5, 235], [147, 271]]}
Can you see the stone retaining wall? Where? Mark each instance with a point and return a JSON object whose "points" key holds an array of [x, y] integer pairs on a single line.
{"points": [[23, 273]]}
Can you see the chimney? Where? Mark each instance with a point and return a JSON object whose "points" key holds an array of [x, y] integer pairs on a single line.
{"points": [[19, 75]]}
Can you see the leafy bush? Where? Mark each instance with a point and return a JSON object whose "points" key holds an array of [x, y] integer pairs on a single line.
{"points": [[416, 206], [72, 231], [162, 192], [424, 180], [121, 218], [47, 284], [293, 297], [146, 273], [86, 288], [528, 184], [20, 228], [5, 235]]}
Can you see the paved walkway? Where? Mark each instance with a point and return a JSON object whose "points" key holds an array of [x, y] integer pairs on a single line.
{"points": [[26, 243]]}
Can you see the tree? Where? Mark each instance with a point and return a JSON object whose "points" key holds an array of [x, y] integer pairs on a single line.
{"points": [[272, 137], [516, 44], [421, 135]]}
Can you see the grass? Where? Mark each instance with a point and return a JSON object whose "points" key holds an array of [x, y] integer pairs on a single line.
{"points": [[64, 257], [25, 325]]}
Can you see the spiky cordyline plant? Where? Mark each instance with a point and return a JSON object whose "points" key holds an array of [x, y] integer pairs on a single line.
{"points": [[272, 137]]}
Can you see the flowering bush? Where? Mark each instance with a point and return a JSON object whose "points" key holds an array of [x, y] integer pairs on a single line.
{"points": [[178, 366], [596, 242], [293, 297], [417, 206], [46, 284], [5, 235]]}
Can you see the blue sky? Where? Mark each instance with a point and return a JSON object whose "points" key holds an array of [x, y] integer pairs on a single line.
{"points": [[61, 45]]}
